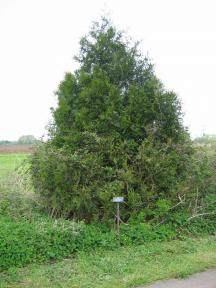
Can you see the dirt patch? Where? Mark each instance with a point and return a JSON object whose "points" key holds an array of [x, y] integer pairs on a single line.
{"points": [[11, 149]]}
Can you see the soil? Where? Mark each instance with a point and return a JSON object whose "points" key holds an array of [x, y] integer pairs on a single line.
{"points": [[12, 149]]}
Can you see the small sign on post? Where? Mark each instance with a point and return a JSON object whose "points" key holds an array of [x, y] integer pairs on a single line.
{"points": [[118, 200]]}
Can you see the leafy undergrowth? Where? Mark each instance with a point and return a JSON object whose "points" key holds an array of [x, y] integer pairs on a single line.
{"points": [[29, 236], [40, 238], [124, 267]]}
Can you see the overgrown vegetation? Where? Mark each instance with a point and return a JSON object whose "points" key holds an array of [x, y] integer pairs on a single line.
{"points": [[28, 235]]}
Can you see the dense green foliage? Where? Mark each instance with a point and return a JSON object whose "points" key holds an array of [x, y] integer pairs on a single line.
{"points": [[40, 238], [28, 235], [24, 242], [116, 131]]}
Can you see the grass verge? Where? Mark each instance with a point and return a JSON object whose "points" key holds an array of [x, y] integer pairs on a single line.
{"points": [[121, 268]]}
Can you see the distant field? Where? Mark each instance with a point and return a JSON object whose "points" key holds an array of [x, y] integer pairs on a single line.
{"points": [[12, 149], [11, 156], [9, 162]]}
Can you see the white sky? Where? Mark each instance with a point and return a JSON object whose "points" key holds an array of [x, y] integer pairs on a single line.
{"points": [[38, 39]]}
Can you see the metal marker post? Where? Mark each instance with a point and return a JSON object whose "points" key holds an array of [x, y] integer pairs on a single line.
{"points": [[118, 200], [118, 217]]}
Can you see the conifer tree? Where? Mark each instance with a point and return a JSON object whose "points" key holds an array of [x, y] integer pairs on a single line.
{"points": [[116, 131]]}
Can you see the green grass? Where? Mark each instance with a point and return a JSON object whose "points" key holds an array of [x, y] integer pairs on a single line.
{"points": [[15, 189], [9, 163], [125, 267]]}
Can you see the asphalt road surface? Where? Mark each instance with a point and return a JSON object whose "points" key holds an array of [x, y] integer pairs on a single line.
{"points": [[202, 280]]}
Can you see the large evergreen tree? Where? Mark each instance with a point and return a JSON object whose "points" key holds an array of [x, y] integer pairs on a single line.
{"points": [[116, 131]]}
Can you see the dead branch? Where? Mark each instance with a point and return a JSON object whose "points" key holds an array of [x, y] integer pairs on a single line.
{"points": [[200, 215]]}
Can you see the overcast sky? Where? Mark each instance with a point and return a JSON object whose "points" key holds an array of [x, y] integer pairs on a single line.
{"points": [[38, 39]]}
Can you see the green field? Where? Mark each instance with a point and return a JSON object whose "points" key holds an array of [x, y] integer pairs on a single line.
{"points": [[10, 162]]}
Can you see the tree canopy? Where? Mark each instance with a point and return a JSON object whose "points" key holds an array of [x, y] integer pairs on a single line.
{"points": [[116, 131], [27, 139]]}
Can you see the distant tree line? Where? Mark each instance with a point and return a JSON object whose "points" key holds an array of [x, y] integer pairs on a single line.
{"points": [[205, 140], [5, 142], [23, 140]]}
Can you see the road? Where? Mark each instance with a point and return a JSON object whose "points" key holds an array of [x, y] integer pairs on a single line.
{"points": [[202, 280]]}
